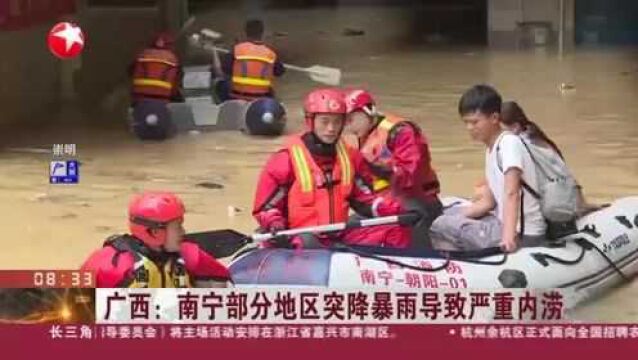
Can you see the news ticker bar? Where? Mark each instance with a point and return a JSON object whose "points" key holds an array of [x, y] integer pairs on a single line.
{"points": [[136, 332], [519, 341]]}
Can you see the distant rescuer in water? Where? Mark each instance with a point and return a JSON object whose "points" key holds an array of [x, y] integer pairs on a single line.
{"points": [[156, 80], [250, 67]]}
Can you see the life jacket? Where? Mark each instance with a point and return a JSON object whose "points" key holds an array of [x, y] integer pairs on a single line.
{"points": [[168, 272], [253, 70], [155, 74], [375, 150], [317, 197]]}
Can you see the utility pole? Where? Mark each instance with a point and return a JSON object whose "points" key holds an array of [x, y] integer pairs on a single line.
{"points": [[561, 28]]}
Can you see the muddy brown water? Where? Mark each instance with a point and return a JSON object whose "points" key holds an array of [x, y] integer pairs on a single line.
{"points": [[594, 118]]}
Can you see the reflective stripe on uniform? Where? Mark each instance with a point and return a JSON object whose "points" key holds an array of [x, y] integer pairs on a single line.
{"points": [[241, 80], [301, 164], [386, 124], [380, 184], [375, 206], [255, 58], [153, 82], [156, 60], [346, 165]]}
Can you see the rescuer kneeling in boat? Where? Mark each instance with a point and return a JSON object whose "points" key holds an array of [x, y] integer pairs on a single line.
{"points": [[398, 154], [316, 178]]}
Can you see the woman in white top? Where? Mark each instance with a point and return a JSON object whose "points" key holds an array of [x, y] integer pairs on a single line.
{"points": [[513, 119]]}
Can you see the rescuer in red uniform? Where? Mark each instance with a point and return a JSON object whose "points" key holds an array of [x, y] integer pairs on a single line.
{"points": [[398, 153], [316, 178], [155, 255]]}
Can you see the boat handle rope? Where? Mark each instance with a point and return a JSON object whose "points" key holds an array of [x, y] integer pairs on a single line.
{"points": [[475, 256], [448, 257], [502, 261], [585, 245], [365, 254], [543, 257], [584, 242]]}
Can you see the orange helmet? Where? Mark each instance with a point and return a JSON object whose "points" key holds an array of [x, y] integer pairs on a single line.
{"points": [[153, 210]]}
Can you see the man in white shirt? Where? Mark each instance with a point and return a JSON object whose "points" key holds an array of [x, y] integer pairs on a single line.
{"points": [[509, 168]]}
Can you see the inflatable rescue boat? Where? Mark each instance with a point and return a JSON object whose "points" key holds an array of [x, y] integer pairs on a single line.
{"points": [[200, 112], [602, 254]]}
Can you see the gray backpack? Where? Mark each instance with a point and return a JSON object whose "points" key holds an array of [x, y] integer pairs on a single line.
{"points": [[557, 193], [557, 190]]}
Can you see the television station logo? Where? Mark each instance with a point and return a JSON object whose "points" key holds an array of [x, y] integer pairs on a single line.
{"points": [[64, 169], [65, 40]]}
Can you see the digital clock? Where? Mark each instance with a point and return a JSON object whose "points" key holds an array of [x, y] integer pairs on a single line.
{"points": [[46, 279], [63, 279]]}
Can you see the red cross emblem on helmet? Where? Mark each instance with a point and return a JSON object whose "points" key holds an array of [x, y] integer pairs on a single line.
{"points": [[359, 99]]}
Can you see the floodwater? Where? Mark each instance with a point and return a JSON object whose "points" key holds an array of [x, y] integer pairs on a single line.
{"points": [[594, 118]]}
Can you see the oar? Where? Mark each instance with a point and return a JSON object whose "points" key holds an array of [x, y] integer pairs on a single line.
{"points": [[213, 35], [403, 219], [186, 26], [224, 243], [322, 74], [217, 65]]}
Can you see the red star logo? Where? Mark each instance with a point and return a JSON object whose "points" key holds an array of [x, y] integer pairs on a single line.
{"points": [[65, 40]]}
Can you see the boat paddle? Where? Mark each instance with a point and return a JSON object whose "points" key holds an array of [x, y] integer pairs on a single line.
{"points": [[224, 243], [319, 73]]}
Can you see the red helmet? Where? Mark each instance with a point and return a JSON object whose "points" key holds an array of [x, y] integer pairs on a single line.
{"points": [[326, 101], [153, 210], [164, 40], [359, 99]]}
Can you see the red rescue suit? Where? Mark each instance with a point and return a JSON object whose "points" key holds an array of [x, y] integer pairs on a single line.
{"points": [[399, 156], [125, 261], [299, 188]]}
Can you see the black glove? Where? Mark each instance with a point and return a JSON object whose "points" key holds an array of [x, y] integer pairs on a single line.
{"points": [[410, 218], [278, 241], [281, 241]]}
